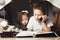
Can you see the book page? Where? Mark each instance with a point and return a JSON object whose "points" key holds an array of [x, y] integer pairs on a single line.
{"points": [[30, 33], [25, 33]]}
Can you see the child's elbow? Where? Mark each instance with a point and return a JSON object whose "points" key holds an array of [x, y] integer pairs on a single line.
{"points": [[48, 30]]}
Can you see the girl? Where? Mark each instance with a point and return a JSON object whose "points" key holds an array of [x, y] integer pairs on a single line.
{"points": [[39, 22], [22, 20]]}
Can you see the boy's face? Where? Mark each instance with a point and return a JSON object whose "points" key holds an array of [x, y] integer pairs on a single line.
{"points": [[37, 14], [24, 19]]}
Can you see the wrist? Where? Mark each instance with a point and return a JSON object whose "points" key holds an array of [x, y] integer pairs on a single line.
{"points": [[43, 23]]}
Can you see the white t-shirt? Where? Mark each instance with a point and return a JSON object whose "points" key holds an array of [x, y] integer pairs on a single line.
{"points": [[34, 25]]}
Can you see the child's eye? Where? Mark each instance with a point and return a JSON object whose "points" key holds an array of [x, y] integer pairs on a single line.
{"points": [[39, 15], [26, 19], [35, 14]]}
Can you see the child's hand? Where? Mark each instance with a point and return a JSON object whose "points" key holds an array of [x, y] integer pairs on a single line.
{"points": [[39, 31], [44, 18]]}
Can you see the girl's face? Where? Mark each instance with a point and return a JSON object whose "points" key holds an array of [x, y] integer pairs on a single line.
{"points": [[24, 19], [37, 14]]}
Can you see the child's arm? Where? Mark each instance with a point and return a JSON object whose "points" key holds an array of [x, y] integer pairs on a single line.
{"points": [[30, 24], [45, 27], [29, 29]]}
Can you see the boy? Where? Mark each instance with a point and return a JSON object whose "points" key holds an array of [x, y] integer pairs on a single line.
{"points": [[39, 22]]}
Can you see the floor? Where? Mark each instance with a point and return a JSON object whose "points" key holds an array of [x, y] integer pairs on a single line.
{"points": [[51, 38]]}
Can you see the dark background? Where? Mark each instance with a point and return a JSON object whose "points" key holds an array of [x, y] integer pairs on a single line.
{"points": [[18, 5]]}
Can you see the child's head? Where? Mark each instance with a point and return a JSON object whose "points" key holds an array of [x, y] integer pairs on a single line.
{"points": [[23, 18], [37, 10]]}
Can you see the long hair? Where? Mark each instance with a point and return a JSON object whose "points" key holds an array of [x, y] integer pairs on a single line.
{"points": [[19, 17]]}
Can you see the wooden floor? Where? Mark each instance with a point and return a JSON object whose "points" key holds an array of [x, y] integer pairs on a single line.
{"points": [[51, 38]]}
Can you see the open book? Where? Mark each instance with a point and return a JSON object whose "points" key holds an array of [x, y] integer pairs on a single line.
{"points": [[28, 33]]}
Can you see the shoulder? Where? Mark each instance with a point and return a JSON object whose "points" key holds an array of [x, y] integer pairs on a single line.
{"points": [[32, 18], [49, 22]]}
